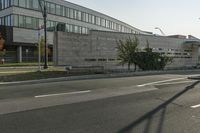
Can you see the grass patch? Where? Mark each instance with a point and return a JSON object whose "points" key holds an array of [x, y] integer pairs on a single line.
{"points": [[39, 75], [32, 76]]}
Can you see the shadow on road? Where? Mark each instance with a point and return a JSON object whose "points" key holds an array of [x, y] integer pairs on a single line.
{"points": [[149, 115]]}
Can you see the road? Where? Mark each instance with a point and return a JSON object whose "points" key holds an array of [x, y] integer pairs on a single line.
{"points": [[168, 103]]}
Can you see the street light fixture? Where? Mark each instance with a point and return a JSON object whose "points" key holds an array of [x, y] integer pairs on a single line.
{"points": [[43, 8], [157, 28]]}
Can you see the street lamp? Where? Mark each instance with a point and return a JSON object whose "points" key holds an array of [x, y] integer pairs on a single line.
{"points": [[43, 8], [157, 28]]}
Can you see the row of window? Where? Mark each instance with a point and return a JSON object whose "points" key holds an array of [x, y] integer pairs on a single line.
{"points": [[172, 50], [34, 23], [64, 11], [5, 4], [99, 60]]}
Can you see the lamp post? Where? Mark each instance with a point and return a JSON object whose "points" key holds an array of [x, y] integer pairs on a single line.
{"points": [[44, 13], [157, 28]]}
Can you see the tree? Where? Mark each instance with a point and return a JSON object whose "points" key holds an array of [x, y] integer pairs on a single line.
{"points": [[127, 51]]}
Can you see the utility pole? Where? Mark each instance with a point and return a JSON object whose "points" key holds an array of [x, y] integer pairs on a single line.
{"points": [[43, 8]]}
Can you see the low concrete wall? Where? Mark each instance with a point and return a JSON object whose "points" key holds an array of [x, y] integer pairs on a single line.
{"points": [[99, 49]]}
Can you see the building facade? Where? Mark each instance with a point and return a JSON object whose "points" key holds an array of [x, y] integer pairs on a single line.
{"points": [[99, 48], [23, 18]]}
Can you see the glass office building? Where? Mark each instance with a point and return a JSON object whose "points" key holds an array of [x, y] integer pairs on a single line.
{"points": [[23, 18]]}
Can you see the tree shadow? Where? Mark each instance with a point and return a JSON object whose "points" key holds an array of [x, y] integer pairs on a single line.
{"points": [[149, 115]]}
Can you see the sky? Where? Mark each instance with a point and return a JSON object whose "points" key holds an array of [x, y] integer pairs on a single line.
{"points": [[172, 16]]}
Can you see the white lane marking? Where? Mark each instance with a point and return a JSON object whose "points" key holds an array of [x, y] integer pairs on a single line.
{"points": [[175, 83], [60, 94], [195, 106], [152, 83]]}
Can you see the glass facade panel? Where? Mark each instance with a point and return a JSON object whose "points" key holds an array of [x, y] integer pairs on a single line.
{"points": [[87, 17], [35, 4], [52, 8], [71, 12], [79, 15], [83, 17], [22, 3], [103, 22], [21, 21], [90, 18], [16, 2], [98, 21], [28, 22], [93, 19], [75, 14], [58, 10], [67, 12]]}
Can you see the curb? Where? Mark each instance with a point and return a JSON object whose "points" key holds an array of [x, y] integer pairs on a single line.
{"points": [[99, 76], [194, 78]]}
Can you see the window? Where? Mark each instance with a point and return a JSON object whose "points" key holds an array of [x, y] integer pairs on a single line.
{"points": [[29, 3], [58, 10], [103, 22], [2, 4], [71, 11], [75, 14], [22, 3], [16, 2], [83, 17], [71, 28], [76, 30], [52, 8], [12, 20], [62, 10], [35, 23], [21, 21], [48, 7], [41, 22], [93, 19], [28, 22], [107, 23], [98, 21], [79, 15], [5, 3], [87, 17], [90, 18], [67, 12], [35, 4], [67, 28]]}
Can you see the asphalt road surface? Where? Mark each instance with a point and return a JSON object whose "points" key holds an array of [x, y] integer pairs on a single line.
{"points": [[167, 103]]}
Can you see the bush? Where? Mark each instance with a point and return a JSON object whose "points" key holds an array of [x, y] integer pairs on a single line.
{"points": [[151, 61]]}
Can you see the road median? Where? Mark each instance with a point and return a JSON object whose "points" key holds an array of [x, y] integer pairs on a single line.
{"points": [[59, 76]]}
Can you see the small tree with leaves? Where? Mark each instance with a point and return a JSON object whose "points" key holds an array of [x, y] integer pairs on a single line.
{"points": [[127, 50]]}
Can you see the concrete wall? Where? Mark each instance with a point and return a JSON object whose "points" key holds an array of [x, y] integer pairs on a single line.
{"points": [[81, 50]]}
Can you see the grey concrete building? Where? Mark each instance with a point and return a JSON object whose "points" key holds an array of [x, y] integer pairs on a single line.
{"points": [[98, 48], [20, 20]]}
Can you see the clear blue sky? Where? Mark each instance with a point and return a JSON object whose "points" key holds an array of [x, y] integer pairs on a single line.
{"points": [[172, 16]]}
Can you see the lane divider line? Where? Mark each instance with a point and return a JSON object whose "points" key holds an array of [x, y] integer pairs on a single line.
{"points": [[163, 81], [195, 106], [61, 94], [175, 83]]}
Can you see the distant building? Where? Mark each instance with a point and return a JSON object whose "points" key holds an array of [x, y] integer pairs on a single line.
{"points": [[21, 19]]}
